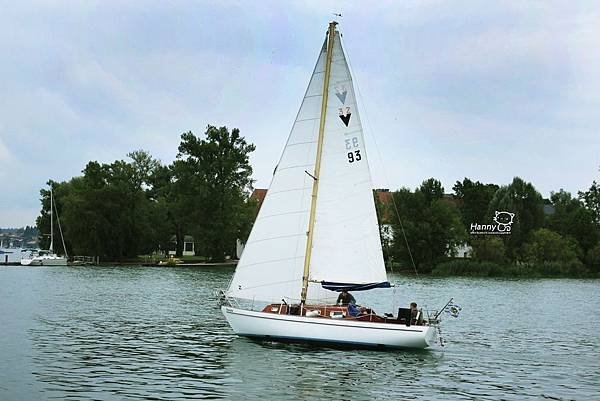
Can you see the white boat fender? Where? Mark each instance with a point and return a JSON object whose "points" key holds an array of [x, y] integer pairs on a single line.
{"points": [[336, 315], [313, 313]]}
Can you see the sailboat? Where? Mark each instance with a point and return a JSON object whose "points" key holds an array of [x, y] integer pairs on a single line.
{"points": [[317, 233], [49, 258]]}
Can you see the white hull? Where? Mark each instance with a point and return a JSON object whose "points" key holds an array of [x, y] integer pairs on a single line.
{"points": [[332, 331], [31, 262], [14, 255], [54, 262], [45, 261]]}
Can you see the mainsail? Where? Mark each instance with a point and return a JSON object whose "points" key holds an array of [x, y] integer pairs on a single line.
{"points": [[346, 247]]}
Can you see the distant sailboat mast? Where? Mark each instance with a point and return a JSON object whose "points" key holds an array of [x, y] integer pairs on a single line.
{"points": [[51, 249], [315, 188]]}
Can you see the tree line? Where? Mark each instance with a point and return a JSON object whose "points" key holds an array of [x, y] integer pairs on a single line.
{"points": [[557, 236], [137, 206]]}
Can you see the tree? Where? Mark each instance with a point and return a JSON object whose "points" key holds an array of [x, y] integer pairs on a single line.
{"points": [[109, 211], [489, 248], [591, 200], [521, 198], [215, 174], [61, 191], [572, 219], [548, 246], [432, 190], [432, 226], [143, 167], [474, 199], [592, 259]]}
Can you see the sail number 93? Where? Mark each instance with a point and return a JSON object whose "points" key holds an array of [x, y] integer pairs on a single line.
{"points": [[354, 155]]}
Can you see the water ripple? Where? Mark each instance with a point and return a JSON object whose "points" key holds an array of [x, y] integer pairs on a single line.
{"points": [[151, 333]]}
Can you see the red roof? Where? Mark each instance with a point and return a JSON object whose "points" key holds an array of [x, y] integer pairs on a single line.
{"points": [[387, 203], [259, 195]]}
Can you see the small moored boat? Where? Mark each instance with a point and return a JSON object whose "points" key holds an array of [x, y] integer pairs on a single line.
{"points": [[48, 258]]}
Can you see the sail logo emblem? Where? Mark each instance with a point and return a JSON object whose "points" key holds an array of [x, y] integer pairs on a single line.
{"points": [[345, 114], [502, 224], [341, 92]]}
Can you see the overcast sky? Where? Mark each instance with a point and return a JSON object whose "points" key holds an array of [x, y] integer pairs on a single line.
{"points": [[450, 89]]}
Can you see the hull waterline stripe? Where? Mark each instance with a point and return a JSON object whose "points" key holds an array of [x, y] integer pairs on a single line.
{"points": [[326, 342]]}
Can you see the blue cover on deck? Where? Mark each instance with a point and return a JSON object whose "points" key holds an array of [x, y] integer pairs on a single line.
{"points": [[328, 285], [353, 310]]}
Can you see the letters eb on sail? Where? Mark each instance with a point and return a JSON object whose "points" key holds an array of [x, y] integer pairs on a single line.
{"points": [[316, 232]]}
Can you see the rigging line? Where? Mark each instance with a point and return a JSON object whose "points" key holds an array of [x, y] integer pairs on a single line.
{"points": [[61, 233], [381, 161]]}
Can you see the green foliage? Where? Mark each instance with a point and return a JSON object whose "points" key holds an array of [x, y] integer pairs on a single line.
{"points": [[106, 212], [480, 268], [521, 198], [475, 268], [548, 246], [432, 226], [474, 199], [215, 175], [432, 190], [127, 208], [489, 248], [592, 259], [591, 199], [572, 219]]}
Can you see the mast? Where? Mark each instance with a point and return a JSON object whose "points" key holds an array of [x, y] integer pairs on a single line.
{"points": [[51, 222], [315, 188], [62, 237]]}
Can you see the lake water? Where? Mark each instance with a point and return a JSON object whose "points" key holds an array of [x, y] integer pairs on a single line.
{"points": [[113, 333]]}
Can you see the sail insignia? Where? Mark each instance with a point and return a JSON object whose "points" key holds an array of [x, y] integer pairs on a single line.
{"points": [[341, 93], [345, 114]]}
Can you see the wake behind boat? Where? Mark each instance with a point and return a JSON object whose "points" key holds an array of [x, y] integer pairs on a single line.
{"points": [[317, 231]]}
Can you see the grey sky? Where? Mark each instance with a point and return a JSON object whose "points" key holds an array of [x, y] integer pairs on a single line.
{"points": [[486, 90]]}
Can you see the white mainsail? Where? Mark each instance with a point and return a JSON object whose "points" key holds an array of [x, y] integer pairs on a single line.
{"points": [[346, 246], [272, 262]]}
